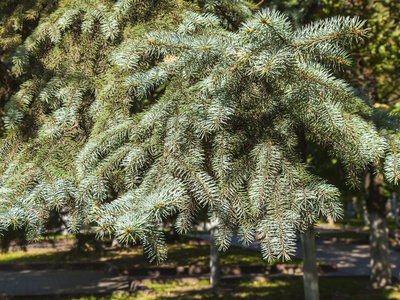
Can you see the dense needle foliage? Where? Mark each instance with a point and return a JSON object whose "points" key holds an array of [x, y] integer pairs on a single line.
{"points": [[231, 109]]}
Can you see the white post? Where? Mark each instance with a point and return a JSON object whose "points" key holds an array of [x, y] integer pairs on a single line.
{"points": [[310, 273], [215, 269]]}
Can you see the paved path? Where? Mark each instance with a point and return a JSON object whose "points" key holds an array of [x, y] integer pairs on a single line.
{"points": [[351, 259], [59, 282]]}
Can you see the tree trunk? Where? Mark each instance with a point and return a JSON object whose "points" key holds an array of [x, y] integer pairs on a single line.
{"points": [[310, 274], [215, 269], [355, 207], [379, 239], [310, 277], [379, 249], [395, 208], [331, 223]]}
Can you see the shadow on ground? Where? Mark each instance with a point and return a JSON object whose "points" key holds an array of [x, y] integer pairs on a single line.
{"points": [[287, 289]]}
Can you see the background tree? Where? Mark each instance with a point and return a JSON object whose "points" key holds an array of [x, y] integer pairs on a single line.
{"points": [[375, 73], [376, 69], [17, 20]]}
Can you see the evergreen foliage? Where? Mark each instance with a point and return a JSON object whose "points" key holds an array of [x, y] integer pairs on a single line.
{"points": [[227, 131], [66, 73]]}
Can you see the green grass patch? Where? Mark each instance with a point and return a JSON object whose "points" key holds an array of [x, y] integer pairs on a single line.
{"points": [[178, 255], [31, 256], [282, 289], [288, 289], [186, 255], [58, 237], [199, 255], [348, 223], [352, 223]]}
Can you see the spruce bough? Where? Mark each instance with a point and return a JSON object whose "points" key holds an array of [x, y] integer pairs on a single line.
{"points": [[227, 134]]}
